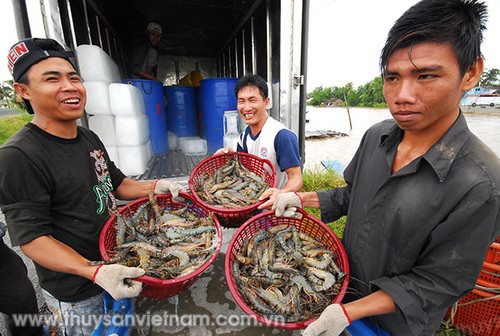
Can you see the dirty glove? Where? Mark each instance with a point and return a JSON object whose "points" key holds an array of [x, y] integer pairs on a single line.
{"points": [[332, 321], [286, 205], [116, 280], [163, 186]]}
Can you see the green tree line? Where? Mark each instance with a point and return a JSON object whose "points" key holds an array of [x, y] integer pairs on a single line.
{"points": [[8, 96], [371, 94]]}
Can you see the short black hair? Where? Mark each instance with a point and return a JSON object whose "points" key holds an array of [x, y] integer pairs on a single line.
{"points": [[252, 80], [459, 23]]}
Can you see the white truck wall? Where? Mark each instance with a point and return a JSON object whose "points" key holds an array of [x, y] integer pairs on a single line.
{"points": [[45, 19], [290, 72]]}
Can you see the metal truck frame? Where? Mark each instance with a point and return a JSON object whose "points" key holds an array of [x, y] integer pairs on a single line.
{"points": [[225, 38]]}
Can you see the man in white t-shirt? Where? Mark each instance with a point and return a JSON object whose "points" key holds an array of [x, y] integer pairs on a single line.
{"points": [[266, 137]]}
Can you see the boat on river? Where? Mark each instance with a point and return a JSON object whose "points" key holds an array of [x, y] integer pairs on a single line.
{"points": [[481, 99]]}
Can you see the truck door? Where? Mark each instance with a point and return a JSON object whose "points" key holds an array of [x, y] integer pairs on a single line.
{"points": [[293, 67]]}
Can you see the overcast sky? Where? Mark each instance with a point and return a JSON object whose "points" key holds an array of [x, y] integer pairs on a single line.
{"points": [[345, 38]]}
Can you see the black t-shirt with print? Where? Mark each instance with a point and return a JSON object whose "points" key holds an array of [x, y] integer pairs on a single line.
{"points": [[58, 187]]}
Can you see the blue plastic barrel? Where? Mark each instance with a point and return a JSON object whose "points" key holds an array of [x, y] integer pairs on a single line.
{"points": [[216, 95], [152, 92], [182, 114]]}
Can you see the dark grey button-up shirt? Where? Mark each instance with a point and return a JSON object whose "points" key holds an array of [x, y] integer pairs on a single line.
{"points": [[420, 234]]}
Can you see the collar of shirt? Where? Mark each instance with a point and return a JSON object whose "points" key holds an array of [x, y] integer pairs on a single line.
{"points": [[443, 153]]}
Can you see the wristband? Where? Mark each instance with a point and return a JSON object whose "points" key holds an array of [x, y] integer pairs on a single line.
{"points": [[95, 273], [300, 198], [154, 185], [345, 313]]}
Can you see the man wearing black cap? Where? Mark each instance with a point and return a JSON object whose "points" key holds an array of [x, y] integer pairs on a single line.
{"points": [[59, 186]]}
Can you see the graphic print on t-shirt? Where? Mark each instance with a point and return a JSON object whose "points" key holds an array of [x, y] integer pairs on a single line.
{"points": [[105, 197]]}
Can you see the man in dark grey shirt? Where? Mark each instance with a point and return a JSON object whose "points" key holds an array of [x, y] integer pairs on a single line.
{"points": [[422, 198], [420, 233], [145, 54]]}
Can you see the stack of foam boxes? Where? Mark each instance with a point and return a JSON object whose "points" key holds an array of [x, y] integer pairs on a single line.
{"points": [[132, 128], [116, 111]]}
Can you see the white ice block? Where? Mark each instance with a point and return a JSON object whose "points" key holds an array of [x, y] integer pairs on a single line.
{"points": [[231, 121], [126, 100], [134, 159], [104, 127], [231, 140], [131, 131], [96, 65], [241, 124], [173, 141], [97, 98], [193, 145], [113, 154]]}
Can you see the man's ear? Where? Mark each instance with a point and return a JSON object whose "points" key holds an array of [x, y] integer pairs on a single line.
{"points": [[267, 101], [473, 75], [22, 90]]}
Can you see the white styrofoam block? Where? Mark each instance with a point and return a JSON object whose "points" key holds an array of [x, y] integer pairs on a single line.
{"points": [[97, 98], [96, 65], [131, 131], [113, 154], [270, 95], [149, 148], [104, 127], [193, 145], [126, 100], [134, 159], [231, 121], [231, 140], [241, 124], [173, 141]]}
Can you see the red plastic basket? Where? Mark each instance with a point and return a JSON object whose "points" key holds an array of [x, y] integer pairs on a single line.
{"points": [[154, 287], [308, 225], [493, 254], [478, 314], [232, 217], [489, 275]]}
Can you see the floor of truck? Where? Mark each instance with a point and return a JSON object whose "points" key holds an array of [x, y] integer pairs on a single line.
{"points": [[173, 165]]}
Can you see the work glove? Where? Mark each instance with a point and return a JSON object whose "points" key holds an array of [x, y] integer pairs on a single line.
{"points": [[163, 186], [117, 280], [332, 321], [286, 205]]}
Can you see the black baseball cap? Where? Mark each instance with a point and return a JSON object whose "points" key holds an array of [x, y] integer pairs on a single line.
{"points": [[30, 51]]}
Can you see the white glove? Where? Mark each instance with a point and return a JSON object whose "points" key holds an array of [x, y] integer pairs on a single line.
{"points": [[164, 186], [116, 280], [286, 205], [332, 321]]}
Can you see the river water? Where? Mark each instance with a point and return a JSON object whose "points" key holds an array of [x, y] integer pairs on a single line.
{"points": [[207, 307], [485, 126]]}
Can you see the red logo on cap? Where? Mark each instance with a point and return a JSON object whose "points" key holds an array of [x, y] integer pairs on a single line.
{"points": [[14, 53]]}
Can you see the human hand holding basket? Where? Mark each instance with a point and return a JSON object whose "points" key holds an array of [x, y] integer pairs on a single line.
{"points": [[265, 233], [153, 286]]}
